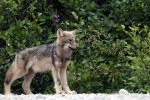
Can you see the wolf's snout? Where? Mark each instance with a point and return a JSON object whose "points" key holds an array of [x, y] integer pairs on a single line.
{"points": [[74, 46]]}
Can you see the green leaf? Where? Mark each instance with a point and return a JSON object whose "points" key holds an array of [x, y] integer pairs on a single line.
{"points": [[75, 15]]}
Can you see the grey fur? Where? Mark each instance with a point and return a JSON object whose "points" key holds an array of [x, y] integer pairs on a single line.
{"points": [[53, 56]]}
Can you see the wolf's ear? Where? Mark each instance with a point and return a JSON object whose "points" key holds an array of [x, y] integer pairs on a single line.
{"points": [[74, 32], [60, 32]]}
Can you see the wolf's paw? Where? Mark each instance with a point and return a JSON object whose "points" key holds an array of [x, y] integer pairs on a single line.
{"points": [[71, 92], [9, 94], [60, 92]]}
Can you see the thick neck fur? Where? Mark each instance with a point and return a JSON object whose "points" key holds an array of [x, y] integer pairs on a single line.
{"points": [[61, 53]]}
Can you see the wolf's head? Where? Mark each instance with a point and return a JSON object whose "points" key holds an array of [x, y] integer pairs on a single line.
{"points": [[66, 39]]}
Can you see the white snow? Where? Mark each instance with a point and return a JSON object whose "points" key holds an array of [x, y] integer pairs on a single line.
{"points": [[122, 95]]}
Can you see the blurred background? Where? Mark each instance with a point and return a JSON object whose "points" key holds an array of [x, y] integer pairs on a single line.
{"points": [[113, 38]]}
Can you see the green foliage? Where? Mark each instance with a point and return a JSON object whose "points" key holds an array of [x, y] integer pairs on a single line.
{"points": [[113, 37]]}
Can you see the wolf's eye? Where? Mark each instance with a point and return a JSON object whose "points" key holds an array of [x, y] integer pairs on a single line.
{"points": [[69, 40]]}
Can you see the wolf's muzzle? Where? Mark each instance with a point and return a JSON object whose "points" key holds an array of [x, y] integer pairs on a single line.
{"points": [[74, 47]]}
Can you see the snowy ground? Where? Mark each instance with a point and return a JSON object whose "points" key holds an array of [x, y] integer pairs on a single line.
{"points": [[122, 95]]}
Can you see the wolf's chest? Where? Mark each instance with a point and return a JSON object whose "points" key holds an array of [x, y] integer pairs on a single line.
{"points": [[58, 63], [61, 62]]}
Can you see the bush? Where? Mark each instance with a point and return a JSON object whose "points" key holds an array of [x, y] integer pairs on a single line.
{"points": [[113, 41]]}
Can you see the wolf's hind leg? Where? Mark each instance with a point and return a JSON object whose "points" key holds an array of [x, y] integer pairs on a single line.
{"points": [[12, 74], [27, 81], [7, 82]]}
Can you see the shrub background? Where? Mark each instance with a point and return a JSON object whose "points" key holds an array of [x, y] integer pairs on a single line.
{"points": [[113, 37]]}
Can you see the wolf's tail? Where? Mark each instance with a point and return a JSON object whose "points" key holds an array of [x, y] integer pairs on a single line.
{"points": [[10, 72]]}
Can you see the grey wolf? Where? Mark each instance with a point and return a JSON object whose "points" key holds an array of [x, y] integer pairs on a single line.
{"points": [[54, 57]]}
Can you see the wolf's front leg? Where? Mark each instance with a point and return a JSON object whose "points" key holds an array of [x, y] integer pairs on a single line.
{"points": [[57, 84], [64, 83]]}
